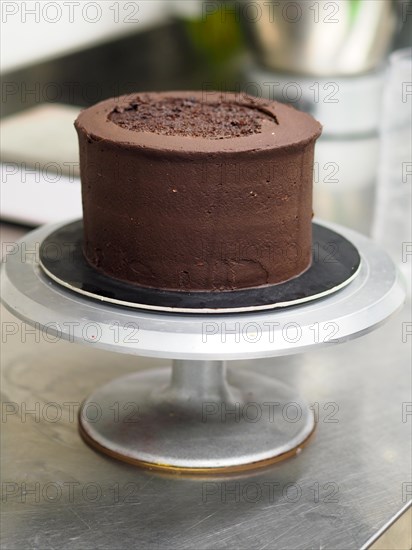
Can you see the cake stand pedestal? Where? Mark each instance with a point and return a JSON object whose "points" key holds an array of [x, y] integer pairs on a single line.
{"points": [[194, 418]]}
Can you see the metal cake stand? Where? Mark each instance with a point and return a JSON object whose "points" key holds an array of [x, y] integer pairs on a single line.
{"points": [[195, 417]]}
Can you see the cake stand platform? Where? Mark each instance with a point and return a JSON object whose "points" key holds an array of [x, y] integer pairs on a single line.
{"points": [[195, 418]]}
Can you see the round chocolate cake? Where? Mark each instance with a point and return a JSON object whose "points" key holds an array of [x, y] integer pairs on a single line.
{"points": [[197, 190]]}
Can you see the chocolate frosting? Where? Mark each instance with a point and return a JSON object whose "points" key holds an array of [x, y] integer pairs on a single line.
{"points": [[197, 190]]}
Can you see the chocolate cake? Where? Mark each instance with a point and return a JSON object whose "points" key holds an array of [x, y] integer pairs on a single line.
{"points": [[196, 191]]}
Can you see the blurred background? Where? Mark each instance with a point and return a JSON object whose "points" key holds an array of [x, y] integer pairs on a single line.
{"points": [[347, 62]]}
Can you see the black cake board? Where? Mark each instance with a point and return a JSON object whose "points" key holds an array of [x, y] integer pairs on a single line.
{"points": [[335, 263]]}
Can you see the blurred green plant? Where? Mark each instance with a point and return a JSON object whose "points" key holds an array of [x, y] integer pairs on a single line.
{"points": [[354, 6], [218, 37]]}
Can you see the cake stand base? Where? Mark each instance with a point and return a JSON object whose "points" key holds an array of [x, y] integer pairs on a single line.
{"points": [[194, 419]]}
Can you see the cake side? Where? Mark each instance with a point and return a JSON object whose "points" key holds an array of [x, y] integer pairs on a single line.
{"points": [[199, 218]]}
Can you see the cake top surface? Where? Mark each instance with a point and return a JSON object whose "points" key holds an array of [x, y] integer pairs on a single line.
{"points": [[203, 122], [176, 116]]}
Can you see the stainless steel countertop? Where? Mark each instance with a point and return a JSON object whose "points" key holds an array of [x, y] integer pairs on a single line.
{"points": [[351, 481]]}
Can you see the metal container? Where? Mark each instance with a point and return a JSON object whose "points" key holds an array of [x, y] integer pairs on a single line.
{"points": [[340, 37]]}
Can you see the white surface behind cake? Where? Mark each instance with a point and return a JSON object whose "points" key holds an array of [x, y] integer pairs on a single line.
{"points": [[40, 165]]}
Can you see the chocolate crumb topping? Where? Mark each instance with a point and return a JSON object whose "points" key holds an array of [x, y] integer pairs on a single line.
{"points": [[191, 118]]}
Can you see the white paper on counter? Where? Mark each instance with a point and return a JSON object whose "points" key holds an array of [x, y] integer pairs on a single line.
{"points": [[34, 197]]}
